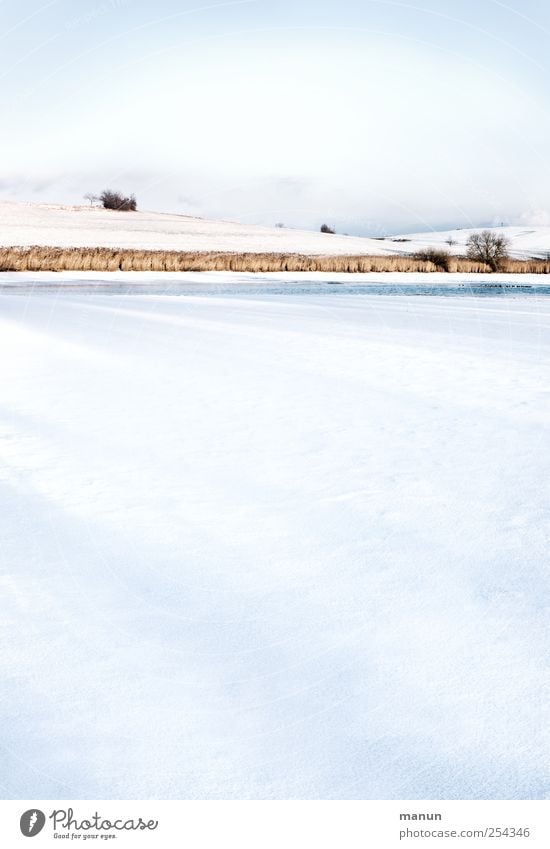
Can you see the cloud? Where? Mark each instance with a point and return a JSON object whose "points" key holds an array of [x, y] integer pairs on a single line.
{"points": [[535, 218], [26, 185]]}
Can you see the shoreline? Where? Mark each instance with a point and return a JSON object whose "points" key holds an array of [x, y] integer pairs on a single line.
{"points": [[231, 282]]}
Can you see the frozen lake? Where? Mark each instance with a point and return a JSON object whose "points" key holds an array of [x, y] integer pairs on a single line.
{"points": [[217, 283], [287, 541]]}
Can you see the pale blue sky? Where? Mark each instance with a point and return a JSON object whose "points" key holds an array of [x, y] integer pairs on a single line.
{"points": [[376, 116]]}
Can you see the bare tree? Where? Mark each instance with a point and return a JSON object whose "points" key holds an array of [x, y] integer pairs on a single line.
{"points": [[326, 229], [489, 248], [92, 198], [450, 241]]}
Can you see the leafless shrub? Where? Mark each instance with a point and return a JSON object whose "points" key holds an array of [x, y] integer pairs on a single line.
{"points": [[326, 229], [439, 258], [118, 201]]}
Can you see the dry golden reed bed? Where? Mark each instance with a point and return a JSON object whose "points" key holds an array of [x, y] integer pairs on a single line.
{"points": [[107, 259]]}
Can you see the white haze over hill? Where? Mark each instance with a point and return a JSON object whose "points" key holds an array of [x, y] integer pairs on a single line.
{"points": [[379, 117]]}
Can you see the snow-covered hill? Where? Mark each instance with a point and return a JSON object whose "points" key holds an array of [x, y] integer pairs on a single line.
{"points": [[525, 242], [26, 224]]}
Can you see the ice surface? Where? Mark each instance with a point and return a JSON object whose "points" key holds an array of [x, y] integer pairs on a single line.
{"points": [[274, 546]]}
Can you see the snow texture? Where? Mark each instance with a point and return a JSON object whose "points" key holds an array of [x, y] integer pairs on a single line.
{"points": [[274, 545], [26, 224]]}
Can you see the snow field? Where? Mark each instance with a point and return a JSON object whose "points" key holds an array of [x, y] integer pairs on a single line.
{"points": [[270, 546]]}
